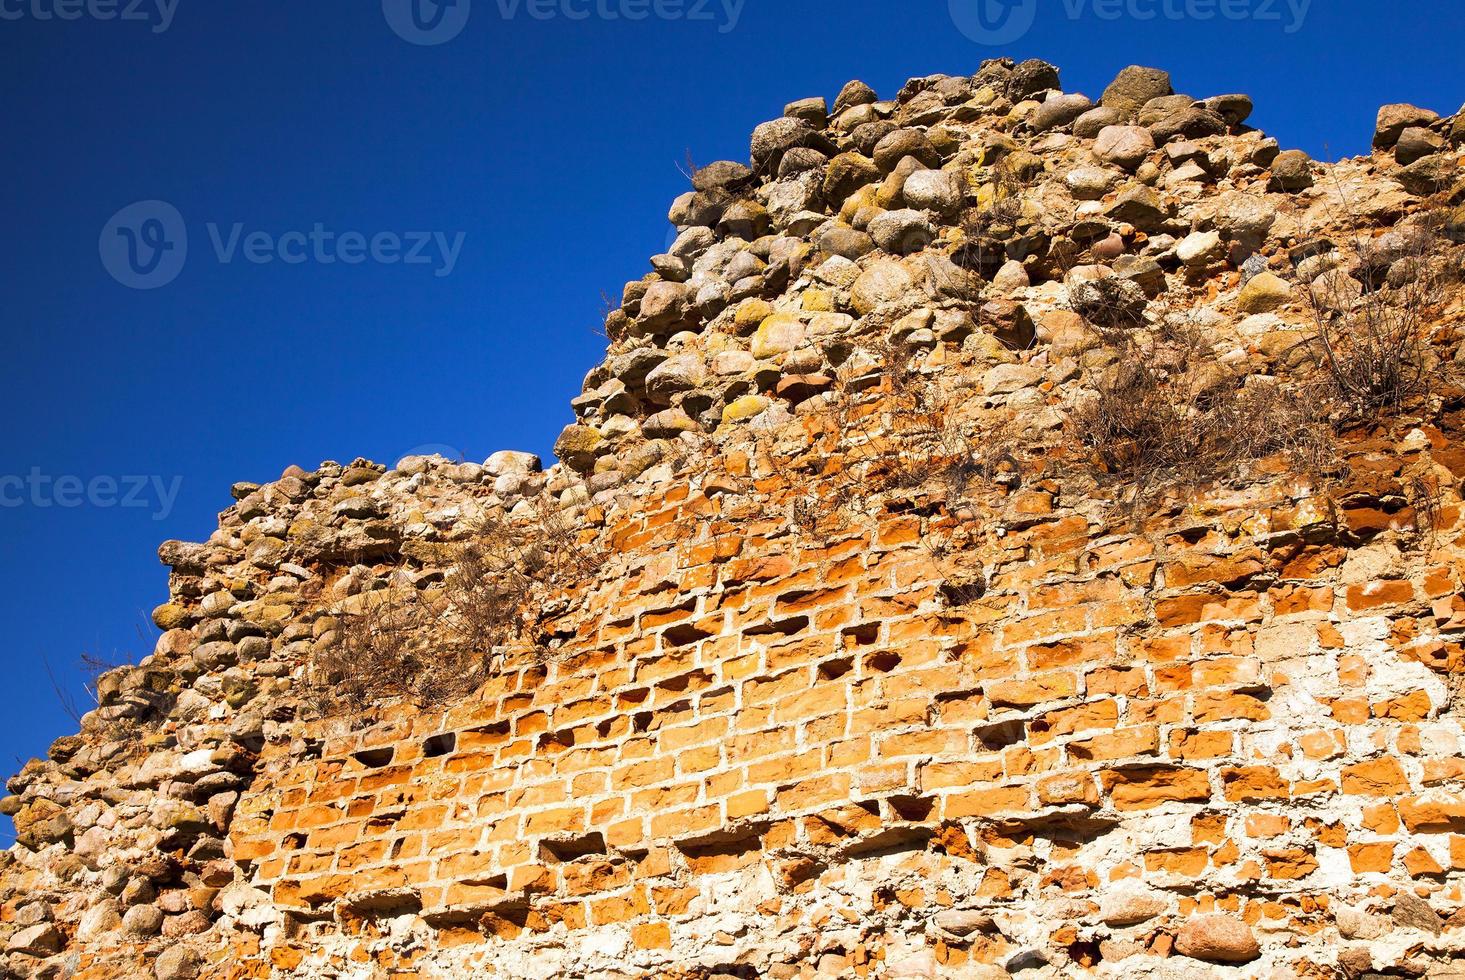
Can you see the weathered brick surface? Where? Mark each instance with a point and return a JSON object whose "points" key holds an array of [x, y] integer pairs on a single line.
{"points": [[643, 780]]}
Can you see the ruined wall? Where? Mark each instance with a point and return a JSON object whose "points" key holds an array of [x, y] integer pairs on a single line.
{"points": [[761, 751], [1219, 735]]}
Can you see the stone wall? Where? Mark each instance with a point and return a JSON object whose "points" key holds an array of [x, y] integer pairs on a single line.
{"points": [[1214, 733]]}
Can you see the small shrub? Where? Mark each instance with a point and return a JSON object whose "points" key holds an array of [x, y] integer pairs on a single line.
{"points": [[436, 645], [990, 230], [1373, 315], [384, 652], [90, 667], [1167, 417]]}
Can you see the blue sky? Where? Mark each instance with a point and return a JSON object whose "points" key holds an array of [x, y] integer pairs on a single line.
{"points": [[528, 161]]}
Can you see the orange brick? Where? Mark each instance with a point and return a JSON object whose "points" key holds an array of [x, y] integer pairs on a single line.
{"points": [[1377, 777], [1193, 745], [686, 822], [929, 742], [1128, 681], [1085, 717], [1221, 706], [1411, 707], [566, 819], [704, 733], [651, 935], [1433, 815], [784, 768], [1320, 746], [1377, 857], [1144, 788], [1188, 609], [1036, 690], [1196, 569], [987, 802], [1376, 595], [1419, 862], [1187, 862], [818, 791], [1267, 825], [1290, 863], [948, 775], [1068, 788], [1086, 651], [646, 773], [823, 700], [1251, 783], [1122, 744], [747, 804], [1045, 625], [626, 833]]}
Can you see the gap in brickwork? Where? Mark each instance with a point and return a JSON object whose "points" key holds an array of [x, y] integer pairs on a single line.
{"points": [[730, 852], [439, 745], [375, 758], [566, 849]]}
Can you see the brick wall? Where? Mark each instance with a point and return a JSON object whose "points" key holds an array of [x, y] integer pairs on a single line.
{"points": [[758, 740]]}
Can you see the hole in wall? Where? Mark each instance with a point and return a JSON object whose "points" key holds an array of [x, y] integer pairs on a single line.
{"points": [[439, 745], [883, 662], [565, 849], [914, 808], [834, 669], [1000, 735], [730, 854], [383, 904], [890, 842], [637, 695], [375, 758], [680, 683], [556, 741], [498, 730], [958, 593], [683, 635], [780, 627]]}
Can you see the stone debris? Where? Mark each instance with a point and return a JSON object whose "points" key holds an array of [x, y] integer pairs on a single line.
{"points": [[779, 723]]}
